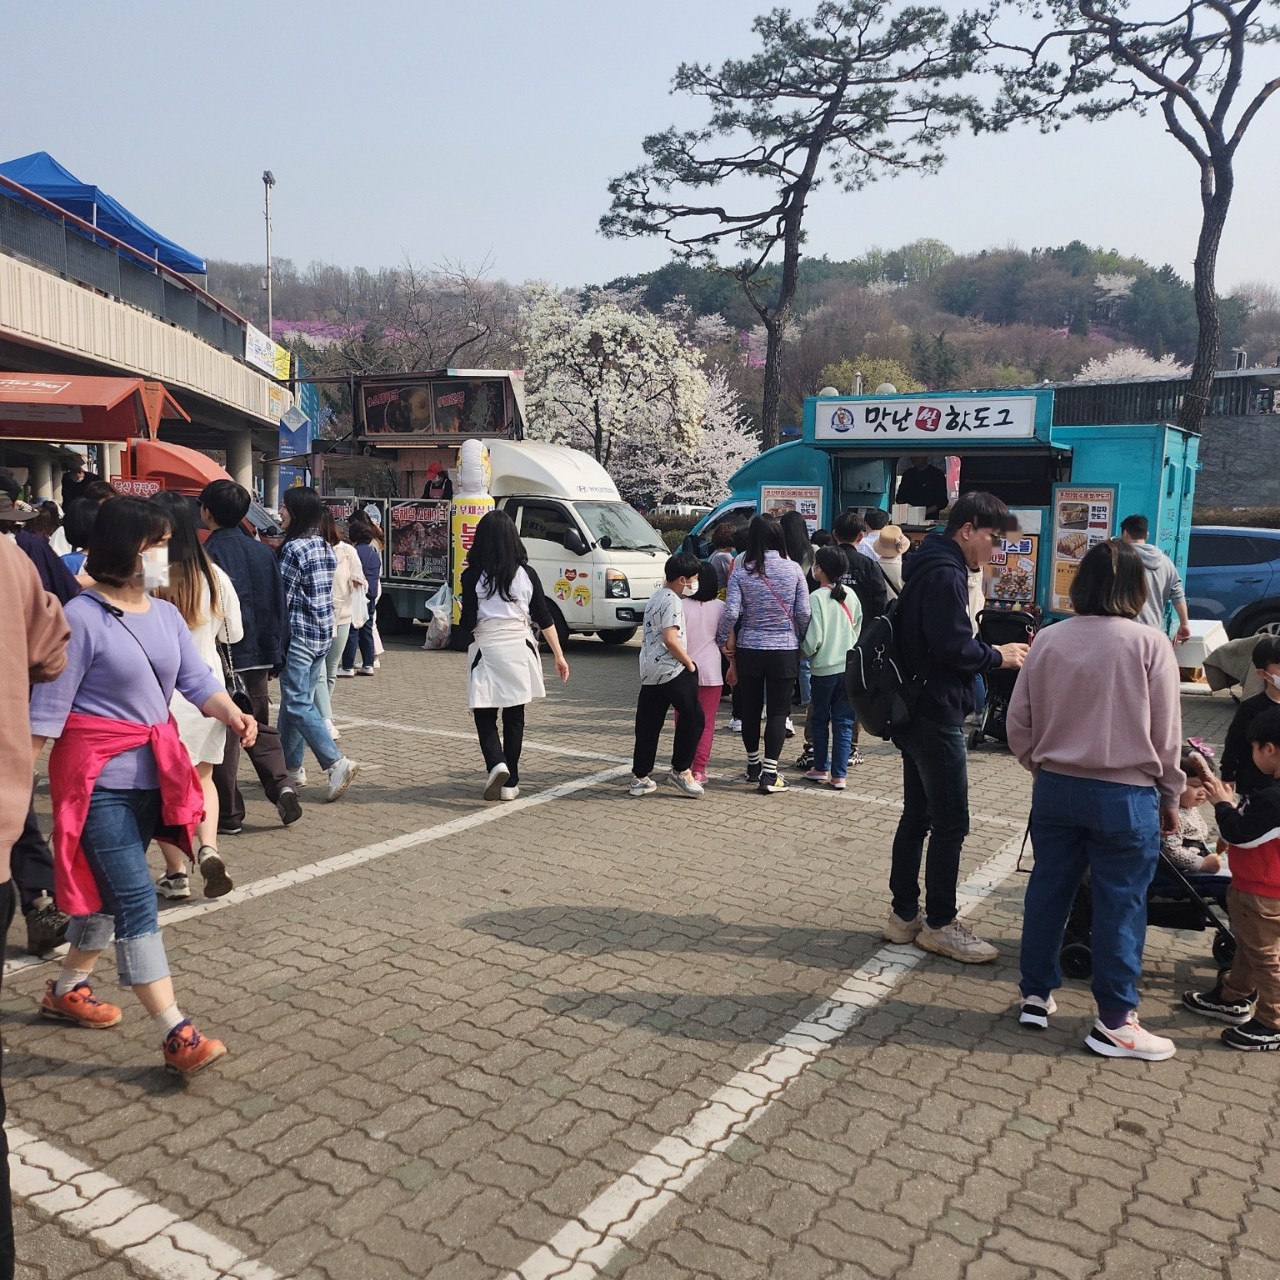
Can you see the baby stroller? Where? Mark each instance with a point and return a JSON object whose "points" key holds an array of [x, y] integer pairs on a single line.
{"points": [[1175, 900], [1001, 626]]}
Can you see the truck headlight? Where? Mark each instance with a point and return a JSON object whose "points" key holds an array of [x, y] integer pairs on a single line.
{"points": [[616, 586]]}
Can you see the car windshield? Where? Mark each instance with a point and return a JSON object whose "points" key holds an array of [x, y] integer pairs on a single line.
{"points": [[624, 526]]}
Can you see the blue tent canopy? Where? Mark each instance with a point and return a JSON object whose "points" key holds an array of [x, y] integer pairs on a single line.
{"points": [[41, 173]]}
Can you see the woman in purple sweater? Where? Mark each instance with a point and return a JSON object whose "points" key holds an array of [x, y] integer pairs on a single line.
{"points": [[766, 614], [128, 653], [1095, 717]]}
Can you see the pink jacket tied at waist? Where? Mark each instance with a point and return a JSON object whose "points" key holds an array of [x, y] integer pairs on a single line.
{"points": [[77, 758]]}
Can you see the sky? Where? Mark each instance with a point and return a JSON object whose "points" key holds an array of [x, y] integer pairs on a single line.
{"points": [[487, 132]]}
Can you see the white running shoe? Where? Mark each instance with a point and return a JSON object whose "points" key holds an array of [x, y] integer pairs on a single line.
{"points": [[298, 777], [509, 793], [641, 787], [498, 776], [896, 929], [332, 730], [1129, 1041], [686, 786], [341, 776], [735, 726], [1036, 1011], [956, 941]]}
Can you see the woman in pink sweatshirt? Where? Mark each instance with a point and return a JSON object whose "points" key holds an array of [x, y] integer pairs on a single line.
{"points": [[1095, 717]]}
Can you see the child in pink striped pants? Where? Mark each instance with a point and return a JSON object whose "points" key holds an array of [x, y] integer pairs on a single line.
{"points": [[702, 613]]}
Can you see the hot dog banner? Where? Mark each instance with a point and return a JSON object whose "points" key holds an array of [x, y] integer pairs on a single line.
{"points": [[1010, 578], [1082, 516]]}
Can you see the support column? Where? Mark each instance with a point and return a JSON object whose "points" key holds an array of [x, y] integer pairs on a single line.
{"points": [[240, 458], [112, 454], [41, 476], [271, 484]]}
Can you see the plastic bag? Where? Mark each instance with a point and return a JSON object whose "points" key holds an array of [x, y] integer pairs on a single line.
{"points": [[439, 611]]}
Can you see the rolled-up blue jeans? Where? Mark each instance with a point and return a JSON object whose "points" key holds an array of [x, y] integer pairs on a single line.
{"points": [[1113, 831], [117, 830], [300, 723]]}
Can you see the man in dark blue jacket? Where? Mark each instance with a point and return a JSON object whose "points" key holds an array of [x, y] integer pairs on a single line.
{"points": [[254, 573], [940, 649]]}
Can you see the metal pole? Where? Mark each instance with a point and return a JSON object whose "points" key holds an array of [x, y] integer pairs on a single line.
{"points": [[268, 181]]}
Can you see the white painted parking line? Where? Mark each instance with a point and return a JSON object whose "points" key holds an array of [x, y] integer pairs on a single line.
{"points": [[459, 735], [583, 1247], [119, 1219], [359, 857]]}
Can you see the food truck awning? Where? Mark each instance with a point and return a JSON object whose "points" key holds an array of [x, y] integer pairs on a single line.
{"points": [[87, 410]]}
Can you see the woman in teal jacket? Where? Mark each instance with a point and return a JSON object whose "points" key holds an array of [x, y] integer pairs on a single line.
{"points": [[833, 628]]}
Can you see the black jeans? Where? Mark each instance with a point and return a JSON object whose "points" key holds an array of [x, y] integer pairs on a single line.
{"points": [[766, 678], [935, 803], [504, 750], [31, 863], [266, 755], [655, 700], [6, 1197]]}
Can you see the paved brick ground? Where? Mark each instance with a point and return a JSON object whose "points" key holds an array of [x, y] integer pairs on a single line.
{"points": [[442, 1055]]}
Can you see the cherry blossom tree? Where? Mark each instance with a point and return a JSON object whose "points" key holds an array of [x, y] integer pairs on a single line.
{"points": [[1130, 362]]}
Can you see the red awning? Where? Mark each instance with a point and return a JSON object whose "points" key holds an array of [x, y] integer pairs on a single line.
{"points": [[82, 410]]}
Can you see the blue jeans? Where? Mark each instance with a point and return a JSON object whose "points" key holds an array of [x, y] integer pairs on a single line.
{"points": [[831, 710], [117, 830], [301, 725], [935, 803], [363, 636], [806, 681], [1112, 831]]}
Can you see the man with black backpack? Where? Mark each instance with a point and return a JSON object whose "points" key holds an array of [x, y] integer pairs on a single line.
{"points": [[942, 655]]}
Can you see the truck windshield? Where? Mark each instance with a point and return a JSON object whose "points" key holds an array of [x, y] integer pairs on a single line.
{"points": [[626, 528]]}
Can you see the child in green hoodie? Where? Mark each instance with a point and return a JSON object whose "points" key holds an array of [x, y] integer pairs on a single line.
{"points": [[833, 629]]}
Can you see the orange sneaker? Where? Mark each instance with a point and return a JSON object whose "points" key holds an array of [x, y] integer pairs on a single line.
{"points": [[80, 1006], [186, 1051]]}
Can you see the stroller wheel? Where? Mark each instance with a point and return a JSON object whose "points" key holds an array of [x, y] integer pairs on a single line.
{"points": [[1224, 948], [1076, 960]]}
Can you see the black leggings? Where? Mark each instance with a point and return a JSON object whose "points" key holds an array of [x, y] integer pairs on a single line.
{"points": [[765, 679], [492, 746]]}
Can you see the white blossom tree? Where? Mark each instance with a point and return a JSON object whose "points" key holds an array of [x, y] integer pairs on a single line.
{"points": [[1130, 362], [609, 380]]}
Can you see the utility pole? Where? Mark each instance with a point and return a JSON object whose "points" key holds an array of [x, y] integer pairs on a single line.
{"points": [[268, 181]]}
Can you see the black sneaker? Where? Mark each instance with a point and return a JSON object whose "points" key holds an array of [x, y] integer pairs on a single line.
{"points": [[234, 830], [804, 760], [1213, 1004], [856, 758], [214, 872], [771, 784], [46, 926], [1253, 1035], [752, 774], [288, 806]]}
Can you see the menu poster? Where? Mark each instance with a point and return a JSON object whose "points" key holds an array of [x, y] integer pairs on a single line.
{"points": [[778, 499], [419, 545], [1083, 516], [417, 411], [1010, 578]]}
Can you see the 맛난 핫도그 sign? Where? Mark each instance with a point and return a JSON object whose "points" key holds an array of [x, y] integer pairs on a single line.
{"points": [[1082, 517], [926, 420]]}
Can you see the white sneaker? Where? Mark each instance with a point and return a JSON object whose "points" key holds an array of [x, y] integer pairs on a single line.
{"points": [[509, 793], [1036, 1011], [341, 776], [956, 941], [346, 673], [498, 776], [901, 931], [332, 730], [1129, 1041], [686, 786], [641, 787], [377, 665], [298, 777], [735, 726], [791, 729]]}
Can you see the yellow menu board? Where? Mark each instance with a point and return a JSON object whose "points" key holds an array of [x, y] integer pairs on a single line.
{"points": [[1083, 516]]}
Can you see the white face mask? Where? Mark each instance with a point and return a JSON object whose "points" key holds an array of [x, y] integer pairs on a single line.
{"points": [[155, 568], [1274, 681], [691, 588]]}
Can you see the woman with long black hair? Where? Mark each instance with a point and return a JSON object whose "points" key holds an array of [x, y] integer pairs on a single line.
{"points": [[768, 605], [501, 597]]}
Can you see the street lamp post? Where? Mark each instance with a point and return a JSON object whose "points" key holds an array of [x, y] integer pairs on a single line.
{"points": [[268, 181]]}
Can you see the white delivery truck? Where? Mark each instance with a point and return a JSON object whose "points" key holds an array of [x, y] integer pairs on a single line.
{"points": [[598, 559]]}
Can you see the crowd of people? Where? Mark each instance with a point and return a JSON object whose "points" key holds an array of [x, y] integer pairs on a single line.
{"points": [[173, 620]]}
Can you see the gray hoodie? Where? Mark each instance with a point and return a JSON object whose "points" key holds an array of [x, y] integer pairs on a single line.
{"points": [[1163, 585]]}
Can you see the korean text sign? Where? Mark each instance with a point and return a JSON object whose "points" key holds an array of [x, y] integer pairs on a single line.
{"points": [[937, 420], [778, 499], [1083, 516]]}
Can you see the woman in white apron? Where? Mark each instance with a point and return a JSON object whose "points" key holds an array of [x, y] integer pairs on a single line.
{"points": [[501, 599]]}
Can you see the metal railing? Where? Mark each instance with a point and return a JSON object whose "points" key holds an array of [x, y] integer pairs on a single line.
{"points": [[39, 231]]}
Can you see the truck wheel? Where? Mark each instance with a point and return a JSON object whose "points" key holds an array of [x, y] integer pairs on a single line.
{"points": [[390, 623], [616, 635], [562, 627]]}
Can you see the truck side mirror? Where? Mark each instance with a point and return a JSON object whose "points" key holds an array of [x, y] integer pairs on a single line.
{"points": [[575, 543]]}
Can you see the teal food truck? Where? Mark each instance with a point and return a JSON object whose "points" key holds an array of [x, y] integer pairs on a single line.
{"points": [[1070, 486]]}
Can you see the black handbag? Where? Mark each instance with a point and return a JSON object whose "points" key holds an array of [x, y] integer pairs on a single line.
{"points": [[234, 680]]}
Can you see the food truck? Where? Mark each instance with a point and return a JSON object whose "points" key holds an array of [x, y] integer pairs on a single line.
{"points": [[598, 559], [1069, 486]]}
